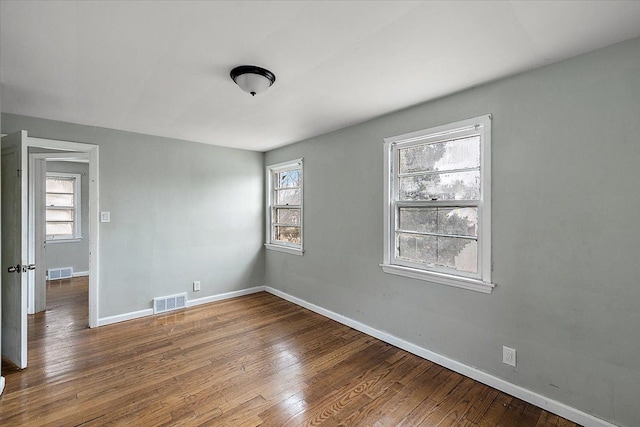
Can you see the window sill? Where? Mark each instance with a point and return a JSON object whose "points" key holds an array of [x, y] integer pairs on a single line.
{"points": [[74, 240], [442, 279], [285, 249]]}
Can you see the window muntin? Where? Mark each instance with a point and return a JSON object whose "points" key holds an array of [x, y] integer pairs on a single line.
{"points": [[284, 212], [437, 209], [62, 202]]}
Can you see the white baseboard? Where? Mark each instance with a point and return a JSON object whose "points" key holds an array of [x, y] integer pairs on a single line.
{"points": [[522, 393], [80, 273], [227, 295], [124, 317], [1, 385], [190, 303]]}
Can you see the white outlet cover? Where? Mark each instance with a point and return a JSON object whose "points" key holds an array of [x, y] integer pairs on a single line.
{"points": [[509, 356], [196, 285]]}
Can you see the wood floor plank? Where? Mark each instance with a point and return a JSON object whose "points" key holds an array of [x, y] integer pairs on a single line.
{"points": [[251, 361], [432, 409], [495, 411], [479, 406], [455, 412], [416, 392]]}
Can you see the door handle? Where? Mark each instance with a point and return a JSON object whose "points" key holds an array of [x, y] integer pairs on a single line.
{"points": [[21, 268]]}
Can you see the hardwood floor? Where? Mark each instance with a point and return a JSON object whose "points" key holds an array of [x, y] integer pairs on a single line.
{"points": [[252, 361]]}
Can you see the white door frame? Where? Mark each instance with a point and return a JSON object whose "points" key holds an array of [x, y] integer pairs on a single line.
{"points": [[36, 292], [36, 295], [94, 232]]}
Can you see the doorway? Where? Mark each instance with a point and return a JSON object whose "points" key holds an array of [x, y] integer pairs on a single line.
{"points": [[58, 222], [65, 151], [19, 262]]}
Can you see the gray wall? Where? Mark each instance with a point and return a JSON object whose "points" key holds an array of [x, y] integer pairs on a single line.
{"points": [[180, 211], [72, 254], [566, 166]]}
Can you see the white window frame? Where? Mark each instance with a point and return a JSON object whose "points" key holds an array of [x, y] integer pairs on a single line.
{"points": [[77, 196], [480, 281], [275, 245]]}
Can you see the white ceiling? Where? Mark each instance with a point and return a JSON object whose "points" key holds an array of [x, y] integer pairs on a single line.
{"points": [[162, 68]]}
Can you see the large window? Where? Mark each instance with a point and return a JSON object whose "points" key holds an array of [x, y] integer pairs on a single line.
{"points": [[438, 204], [62, 206], [284, 207]]}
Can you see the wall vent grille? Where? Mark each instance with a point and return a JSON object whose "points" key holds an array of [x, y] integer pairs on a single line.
{"points": [[60, 273], [169, 303]]}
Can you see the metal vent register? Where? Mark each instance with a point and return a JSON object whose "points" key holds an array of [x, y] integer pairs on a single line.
{"points": [[169, 303]]}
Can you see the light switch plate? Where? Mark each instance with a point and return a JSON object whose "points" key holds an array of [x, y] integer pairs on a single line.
{"points": [[105, 216]]}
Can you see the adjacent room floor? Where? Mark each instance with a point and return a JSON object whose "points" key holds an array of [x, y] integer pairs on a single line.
{"points": [[250, 361]]}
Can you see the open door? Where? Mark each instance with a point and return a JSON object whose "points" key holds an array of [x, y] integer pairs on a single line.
{"points": [[14, 250]]}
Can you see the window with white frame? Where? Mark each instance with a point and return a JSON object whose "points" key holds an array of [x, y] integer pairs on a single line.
{"points": [[62, 201], [284, 207], [438, 204]]}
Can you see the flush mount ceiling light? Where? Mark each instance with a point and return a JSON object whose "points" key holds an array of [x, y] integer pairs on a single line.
{"points": [[252, 79]]}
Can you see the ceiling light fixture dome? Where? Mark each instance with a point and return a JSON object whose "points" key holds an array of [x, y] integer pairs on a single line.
{"points": [[252, 79]]}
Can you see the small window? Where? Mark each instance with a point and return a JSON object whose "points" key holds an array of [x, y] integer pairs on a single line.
{"points": [[438, 204], [62, 202], [284, 207]]}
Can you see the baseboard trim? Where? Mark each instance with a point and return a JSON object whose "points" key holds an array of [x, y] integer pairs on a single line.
{"points": [[190, 303], [522, 393], [1, 385], [80, 273], [226, 295], [124, 317]]}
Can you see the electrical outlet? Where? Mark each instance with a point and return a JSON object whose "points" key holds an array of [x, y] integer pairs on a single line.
{"points": [[509, 356], [196, 286]]}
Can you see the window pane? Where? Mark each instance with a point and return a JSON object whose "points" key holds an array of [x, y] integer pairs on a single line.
{"points": [[59, 228], [441, 186], [418, 248], [457, 253], [288, 216], [59, 214], [59, 200], [56, 185], [287, 234], [418, 219], [288, 178], [443, 156], [457, 221], [287, 197]]}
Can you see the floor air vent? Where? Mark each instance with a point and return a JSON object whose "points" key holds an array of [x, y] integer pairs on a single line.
{"points": [[60, 273], [171, 302]]}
